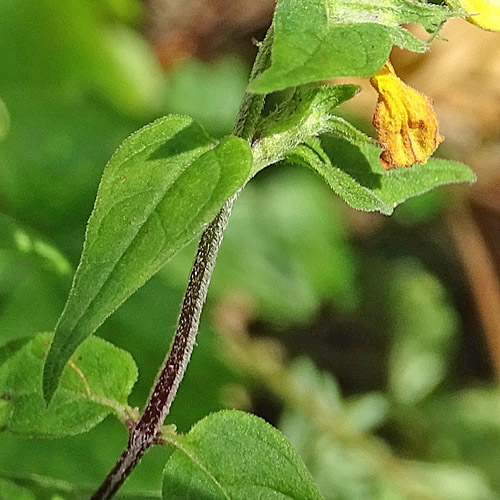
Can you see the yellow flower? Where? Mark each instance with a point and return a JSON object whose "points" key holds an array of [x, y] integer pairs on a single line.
{"points": [[484, 13], [405, 121]]}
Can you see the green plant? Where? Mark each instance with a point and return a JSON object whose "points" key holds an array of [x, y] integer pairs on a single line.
{"points": [[170, 181]]}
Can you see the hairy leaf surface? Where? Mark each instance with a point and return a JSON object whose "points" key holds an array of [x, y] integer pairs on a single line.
{"points": [[304, 114], [319, 39], [158, 191], [349, 162], [95, 383], [233, 455]]}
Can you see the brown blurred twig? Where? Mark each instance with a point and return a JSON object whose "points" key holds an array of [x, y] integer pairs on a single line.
{"points": [[482, 274]]}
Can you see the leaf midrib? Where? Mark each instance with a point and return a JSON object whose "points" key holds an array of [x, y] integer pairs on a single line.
{"points": [[133, 239]]}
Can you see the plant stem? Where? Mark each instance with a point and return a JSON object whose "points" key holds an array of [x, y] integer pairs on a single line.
{"points": [[147, 431]]}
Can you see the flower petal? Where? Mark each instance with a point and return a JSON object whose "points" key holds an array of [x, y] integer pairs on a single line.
{"points": [[483, 13], [406, 123]]}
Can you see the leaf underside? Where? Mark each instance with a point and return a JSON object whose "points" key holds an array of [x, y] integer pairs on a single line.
{"points": [[349, 162]]}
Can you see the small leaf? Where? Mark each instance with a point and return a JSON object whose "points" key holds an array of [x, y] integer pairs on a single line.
{"points": [[96, 383], [357, 193], [158, 191], [237, 456], [319, 39], [348, 161], [306, 100]]}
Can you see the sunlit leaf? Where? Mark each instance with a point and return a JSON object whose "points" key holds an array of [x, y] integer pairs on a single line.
{"points": [[348, 161], [158, 191], [319, 39], [237, 456]]}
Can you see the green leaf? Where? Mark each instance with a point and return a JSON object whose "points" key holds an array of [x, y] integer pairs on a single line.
{"points": [[12, 491], [349, 164], [319, 39], [158, 191], [96, 383], [234, 455], [305, 102]]}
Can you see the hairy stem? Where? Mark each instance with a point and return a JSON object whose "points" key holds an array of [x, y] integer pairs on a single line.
{"points": [[147, 431]]}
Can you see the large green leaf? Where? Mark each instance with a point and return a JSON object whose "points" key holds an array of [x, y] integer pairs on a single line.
{"points": [[319, 39], [158, 191], [348, 161], [96, 383], [237, 456]]}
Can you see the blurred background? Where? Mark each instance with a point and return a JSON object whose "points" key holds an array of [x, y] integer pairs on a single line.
{"points": [[373, 343]]}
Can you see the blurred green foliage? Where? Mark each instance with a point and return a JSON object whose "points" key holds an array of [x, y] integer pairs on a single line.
{"points": [[76, 78]]}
